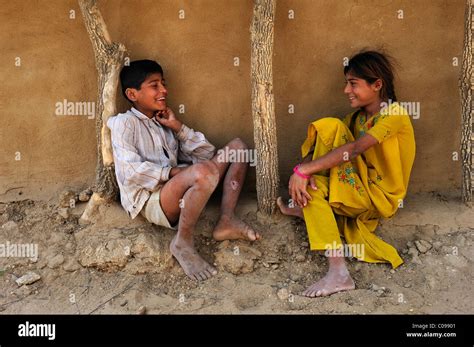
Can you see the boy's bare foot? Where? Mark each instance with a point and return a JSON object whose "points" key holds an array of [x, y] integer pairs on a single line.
{"points": [[333, 282], [232, 228], [193, 265], [289, 211]]}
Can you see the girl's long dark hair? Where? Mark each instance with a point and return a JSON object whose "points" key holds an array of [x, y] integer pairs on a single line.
{"points": [[372, 65]]}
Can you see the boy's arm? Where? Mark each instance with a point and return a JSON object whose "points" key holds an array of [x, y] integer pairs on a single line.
{"points": [[193, 145], [135, 169]]}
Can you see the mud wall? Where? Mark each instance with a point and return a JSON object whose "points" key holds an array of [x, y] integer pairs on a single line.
{"points": [[203, 46]]}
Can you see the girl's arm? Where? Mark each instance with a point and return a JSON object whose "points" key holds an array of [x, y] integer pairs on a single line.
{"points": [[339, 155]]}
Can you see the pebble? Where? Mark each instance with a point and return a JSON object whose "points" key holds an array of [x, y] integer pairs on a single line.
{"points": [[85, 195], [29, 278], [407, 285], [423, 246], [283, 294], [300, 258], [141, 310], [304, 244], [123, 303], [63, 212]]}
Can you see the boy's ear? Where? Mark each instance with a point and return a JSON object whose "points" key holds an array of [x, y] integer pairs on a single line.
{"points": [[131, 94]]}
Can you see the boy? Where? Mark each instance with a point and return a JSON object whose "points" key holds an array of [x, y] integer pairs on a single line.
{"points": [[150, 146]]}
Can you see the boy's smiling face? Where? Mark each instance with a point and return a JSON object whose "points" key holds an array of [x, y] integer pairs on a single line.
{"points": [[152, 95]]}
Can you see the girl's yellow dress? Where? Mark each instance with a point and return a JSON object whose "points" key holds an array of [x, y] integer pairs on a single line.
{"points": [[352, 197]]}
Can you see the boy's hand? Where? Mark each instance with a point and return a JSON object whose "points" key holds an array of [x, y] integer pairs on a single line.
{"points": [[168, 119]]}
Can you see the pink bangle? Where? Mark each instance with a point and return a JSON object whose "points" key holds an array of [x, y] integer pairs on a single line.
{"points": [[299, 173]]}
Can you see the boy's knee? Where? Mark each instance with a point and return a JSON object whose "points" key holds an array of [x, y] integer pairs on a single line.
{"points": [[206, 173], [237, 143]]}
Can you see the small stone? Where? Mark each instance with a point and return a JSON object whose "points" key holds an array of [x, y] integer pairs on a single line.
{"points": [[63, 212], [141, 310], [29, 278], [304, 244], [410, 244], [283, 294], [123, 303], [85, 195], [55, 261], [265, 264], [300, 258], [437, 245], [275, 266], [71, 265], [423, 246], [376, 288], [392, 271], [67, 199], [407, 285]]}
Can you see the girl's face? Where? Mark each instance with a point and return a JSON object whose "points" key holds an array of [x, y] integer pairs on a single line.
{"points": [[362, 94]]}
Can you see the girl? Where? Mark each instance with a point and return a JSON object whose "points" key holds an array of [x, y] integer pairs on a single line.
{"points": [[357, 171]]}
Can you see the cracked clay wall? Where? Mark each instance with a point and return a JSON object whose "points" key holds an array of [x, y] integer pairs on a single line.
{"points": [[42, 153]]}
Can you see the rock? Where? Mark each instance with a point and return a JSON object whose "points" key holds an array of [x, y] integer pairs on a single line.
{"points": [[423, 246], [414, 253], [63, 212], [108, 255], [141, 310], [55, 261], [283, 294], [410, 244], [304, 244], [407, 285], [437, 245], [29, 278], [71, 265], [275, 266], [67, 199], [300, 258], [10, 226], [24, 290], [124, 302], [236, 260], [392, 271], [265, 264], [85, 195], [376, 288]]}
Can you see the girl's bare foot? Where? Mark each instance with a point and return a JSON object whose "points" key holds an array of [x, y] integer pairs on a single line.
{"points": [[232, 228], [336, 280], [193, 265], [295, 211]]}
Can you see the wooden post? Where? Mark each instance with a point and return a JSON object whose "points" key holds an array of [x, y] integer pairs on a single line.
{"points": [[263, 104], [109, 58], [466, 85]]}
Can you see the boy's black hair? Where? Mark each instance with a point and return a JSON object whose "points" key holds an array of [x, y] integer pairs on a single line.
{"points": [[133, 75]]}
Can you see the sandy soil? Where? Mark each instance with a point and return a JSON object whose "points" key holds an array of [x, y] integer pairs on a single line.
{"points": [[123, 266]]}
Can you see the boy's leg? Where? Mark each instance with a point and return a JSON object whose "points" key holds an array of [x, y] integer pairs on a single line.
{"points": [[229, 226], [194, 186]]}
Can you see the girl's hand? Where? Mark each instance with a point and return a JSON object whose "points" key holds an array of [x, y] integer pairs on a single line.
{"points": [[298, 189]]}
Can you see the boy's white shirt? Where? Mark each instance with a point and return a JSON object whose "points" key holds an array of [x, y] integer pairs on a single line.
{"points": [[141, 165]]}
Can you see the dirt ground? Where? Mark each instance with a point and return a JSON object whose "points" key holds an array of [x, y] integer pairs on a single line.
{"points": [[123, 266]]}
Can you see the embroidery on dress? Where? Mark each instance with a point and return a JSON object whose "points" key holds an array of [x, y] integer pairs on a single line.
{"points": [[347, 176]]}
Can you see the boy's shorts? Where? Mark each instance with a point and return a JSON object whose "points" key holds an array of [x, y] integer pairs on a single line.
{"points": [[153, 212]]}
